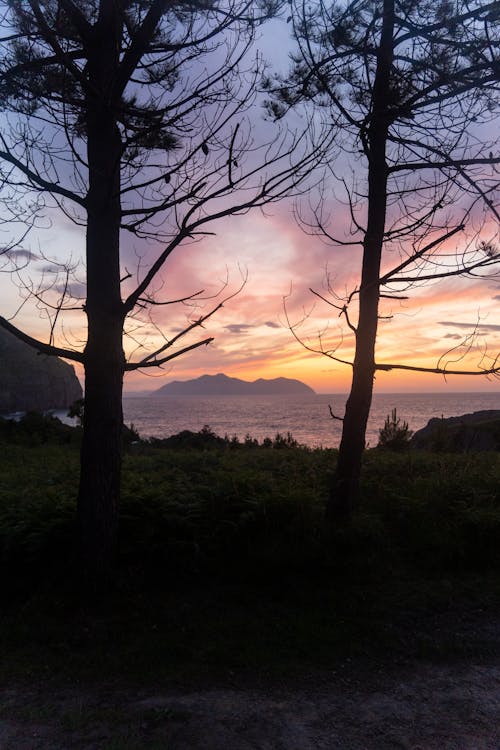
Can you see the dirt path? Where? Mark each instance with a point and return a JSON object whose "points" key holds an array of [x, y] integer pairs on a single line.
{"points": [[416, 706]]}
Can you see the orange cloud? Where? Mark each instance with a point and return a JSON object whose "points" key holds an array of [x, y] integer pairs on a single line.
{"points": [[251, 335]]}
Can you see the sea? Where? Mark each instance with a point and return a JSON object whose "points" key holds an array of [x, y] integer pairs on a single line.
{"points": [[307, 417]]}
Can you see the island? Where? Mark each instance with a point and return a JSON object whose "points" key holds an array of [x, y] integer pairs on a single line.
{"points": [[222, 385]]}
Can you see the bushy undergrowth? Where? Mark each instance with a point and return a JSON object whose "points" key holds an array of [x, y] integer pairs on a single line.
{"points": [[222, 507], [207, 438], [196, 505], [37, 429], [442, 511]]}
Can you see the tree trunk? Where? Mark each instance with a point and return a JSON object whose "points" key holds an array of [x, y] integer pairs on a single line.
{"points": [[345, 484], [100, 474], [100, 466]]}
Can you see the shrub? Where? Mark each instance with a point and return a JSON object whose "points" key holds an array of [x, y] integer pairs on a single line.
{"points": [[395, 435], [38, 429]]}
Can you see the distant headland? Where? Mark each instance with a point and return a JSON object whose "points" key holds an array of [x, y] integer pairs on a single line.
{"points": [[222, 385]]}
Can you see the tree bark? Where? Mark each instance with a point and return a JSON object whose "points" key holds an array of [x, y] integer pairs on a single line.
{"points": [[100, 467], [104, 362], [345, 485]]}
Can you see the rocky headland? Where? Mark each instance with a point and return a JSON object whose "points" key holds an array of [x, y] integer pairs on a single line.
{"points": [[30, 381], [479, 431]]}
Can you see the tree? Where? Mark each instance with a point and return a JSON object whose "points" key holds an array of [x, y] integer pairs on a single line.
{"points": [[131, 119], [409, 87], [395, 435]]}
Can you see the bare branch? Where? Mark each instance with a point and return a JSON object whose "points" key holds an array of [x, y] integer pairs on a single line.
{"points": [[494, 370], [39, 345], [140, 42], [334, 416], [129, 366], [77, 17], [36, 179], [150, 301]]}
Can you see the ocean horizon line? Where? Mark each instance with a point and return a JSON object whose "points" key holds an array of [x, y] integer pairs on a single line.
{"points": [[141, 394]]}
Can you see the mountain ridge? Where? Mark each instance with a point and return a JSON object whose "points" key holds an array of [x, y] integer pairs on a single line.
{"points": [[223, 385]]}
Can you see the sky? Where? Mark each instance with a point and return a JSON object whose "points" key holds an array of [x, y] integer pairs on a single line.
{"points": [[281, 265], [275, 264]]}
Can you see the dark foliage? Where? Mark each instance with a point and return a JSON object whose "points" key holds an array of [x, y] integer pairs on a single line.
{"points": [[395, 435], [217, 507], [206, 438], [38, 429]]}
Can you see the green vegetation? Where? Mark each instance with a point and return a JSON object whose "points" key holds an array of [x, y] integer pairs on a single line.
{"points": [[223, 563], [395, 435]]}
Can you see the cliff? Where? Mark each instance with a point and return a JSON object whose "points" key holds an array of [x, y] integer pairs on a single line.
{"points": [[33, 382], [222, 385]]}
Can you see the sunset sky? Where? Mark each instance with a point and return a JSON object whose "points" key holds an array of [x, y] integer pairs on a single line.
{"points": [[252, 338]]}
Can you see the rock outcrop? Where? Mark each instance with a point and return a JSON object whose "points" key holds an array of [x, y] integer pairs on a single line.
{"points": [[222, 385], [33, 382], [479, 431]]}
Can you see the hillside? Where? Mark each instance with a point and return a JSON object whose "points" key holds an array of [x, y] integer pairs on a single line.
{"points": [[222, 385], [33, 382]]}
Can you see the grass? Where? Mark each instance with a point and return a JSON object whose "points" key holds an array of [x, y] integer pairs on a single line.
{"points": [[223, 566]]}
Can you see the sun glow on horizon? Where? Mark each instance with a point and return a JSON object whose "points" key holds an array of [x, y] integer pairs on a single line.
{"points": [[279, 265]]}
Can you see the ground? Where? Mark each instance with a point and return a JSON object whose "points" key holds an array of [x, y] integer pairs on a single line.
{"points": [[383, 703], [420, 706]]}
